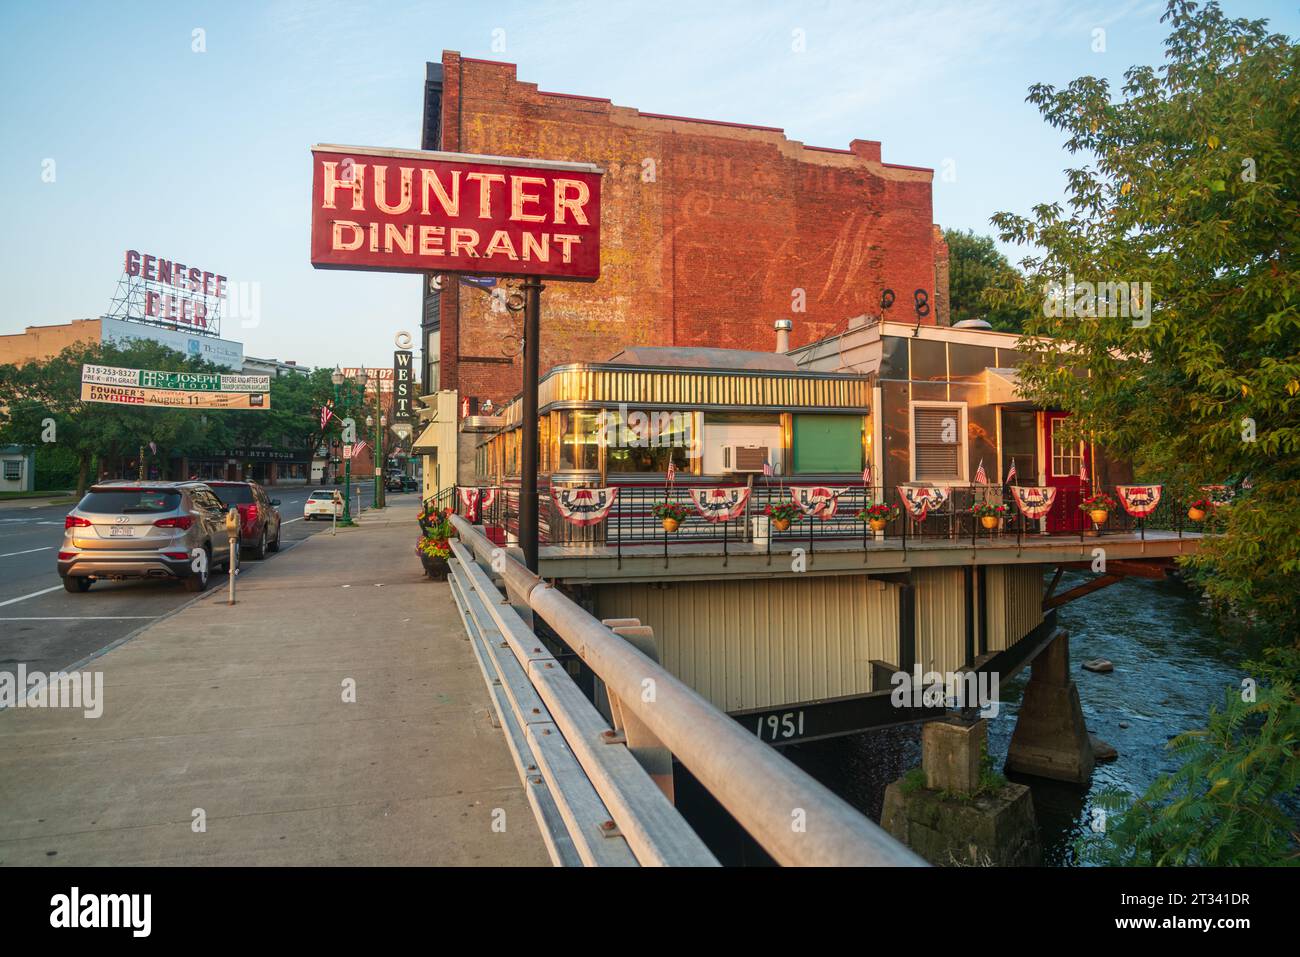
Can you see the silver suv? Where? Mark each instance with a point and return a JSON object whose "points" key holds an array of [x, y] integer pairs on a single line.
{"points": [[144, 530]]}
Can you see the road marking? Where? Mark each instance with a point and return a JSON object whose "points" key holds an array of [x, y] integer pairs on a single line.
{"points": [[289, 522], [28, 552], [88, 618], [35, 594]]}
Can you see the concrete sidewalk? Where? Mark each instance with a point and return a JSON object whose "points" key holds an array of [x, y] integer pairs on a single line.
{"points": [[239, 711]]}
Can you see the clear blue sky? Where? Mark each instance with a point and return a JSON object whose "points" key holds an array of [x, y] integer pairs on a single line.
{"points": [[204, 156]]}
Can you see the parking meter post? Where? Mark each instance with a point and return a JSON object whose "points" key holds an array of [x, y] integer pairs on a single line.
{"points": [[232, 536]]}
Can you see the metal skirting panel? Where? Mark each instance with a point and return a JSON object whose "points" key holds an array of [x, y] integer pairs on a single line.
{"points": [[1015, 603], [940, 618], [762, 643]]}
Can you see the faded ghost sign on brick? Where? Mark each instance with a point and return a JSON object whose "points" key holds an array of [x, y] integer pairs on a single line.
{"points": [[410, 211]]}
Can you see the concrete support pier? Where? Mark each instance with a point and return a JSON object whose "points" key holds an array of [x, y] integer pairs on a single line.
{"points": [[1050, 740], [952, 814]]}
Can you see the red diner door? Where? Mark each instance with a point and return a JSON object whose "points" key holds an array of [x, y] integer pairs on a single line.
{"points": [[1064, 463]]}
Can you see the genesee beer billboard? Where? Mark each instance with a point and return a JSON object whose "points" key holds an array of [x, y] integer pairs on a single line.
{"points": [[412, 211], [173, 291]]}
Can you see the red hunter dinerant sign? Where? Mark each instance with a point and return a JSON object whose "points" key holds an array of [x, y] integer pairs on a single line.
{"points": [[413, 211]]}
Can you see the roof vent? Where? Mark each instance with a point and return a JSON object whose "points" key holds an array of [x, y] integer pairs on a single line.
{"points": [[972, 324], [783, 327]]}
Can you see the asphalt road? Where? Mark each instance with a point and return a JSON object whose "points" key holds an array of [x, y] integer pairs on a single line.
{"points": [[49, 629]]}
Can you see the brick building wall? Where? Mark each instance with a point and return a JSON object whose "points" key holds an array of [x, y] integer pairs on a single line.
{"points": [[710, 231], [44, 342]]}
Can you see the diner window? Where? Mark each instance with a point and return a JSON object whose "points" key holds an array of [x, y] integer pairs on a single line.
{"points": [[579, 441], [646, 441], [1067, 453], [512, 451], [828, 443], [13, 470], [938, 442]]}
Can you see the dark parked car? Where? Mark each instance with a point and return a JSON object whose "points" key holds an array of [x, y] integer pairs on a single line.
{"points": [[259, 519]]}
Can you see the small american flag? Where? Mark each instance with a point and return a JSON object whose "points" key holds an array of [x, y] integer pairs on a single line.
{"points": [[1011, 472], [325, 413], [1083, 472], [672, 471], [767, 469], [359, 448], [981, 477], [866, 475]]}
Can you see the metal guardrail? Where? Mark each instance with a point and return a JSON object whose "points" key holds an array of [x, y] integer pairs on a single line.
{"points": [[791, 815], [596, 805]]}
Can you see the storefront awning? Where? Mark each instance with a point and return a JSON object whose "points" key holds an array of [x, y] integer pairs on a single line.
{"points": [[427, 442], [1004, 388]]}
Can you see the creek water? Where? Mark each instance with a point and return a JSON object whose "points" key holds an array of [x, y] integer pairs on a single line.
{"points": [[1171, 665]]}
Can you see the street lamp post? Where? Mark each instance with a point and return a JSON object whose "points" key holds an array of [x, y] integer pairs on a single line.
{"points": [[378, 434], [343, 399]]}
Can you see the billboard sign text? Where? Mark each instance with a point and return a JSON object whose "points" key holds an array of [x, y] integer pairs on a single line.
{"points": [[115, 385], [414, 211]]}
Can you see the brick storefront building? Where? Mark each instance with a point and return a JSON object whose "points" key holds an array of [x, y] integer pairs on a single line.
{"points": [[710, 232]]}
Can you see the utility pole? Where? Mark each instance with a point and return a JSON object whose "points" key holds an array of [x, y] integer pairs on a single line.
{"points": [[528, 450]]}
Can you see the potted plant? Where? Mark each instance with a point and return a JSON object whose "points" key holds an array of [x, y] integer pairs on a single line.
{"points": [[877, 516], [1098, 505], [434, 553], [430, 516], [671, 514], [782, 515], [990, 514], [433, 548], [1199, 509]]}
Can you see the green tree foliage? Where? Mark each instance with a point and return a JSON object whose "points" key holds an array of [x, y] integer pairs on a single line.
{"points": [[976, 270], [1188, 182], [1234, 798], [1191, 186], [36, 392]]}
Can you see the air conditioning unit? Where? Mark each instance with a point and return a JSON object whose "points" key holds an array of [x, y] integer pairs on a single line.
{"points": [[744, 458]]}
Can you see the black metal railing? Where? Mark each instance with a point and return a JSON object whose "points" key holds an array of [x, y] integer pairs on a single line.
{"points": [[632, 522]]}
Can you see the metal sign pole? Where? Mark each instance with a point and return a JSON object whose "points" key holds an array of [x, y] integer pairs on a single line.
{"points": [[528, 451]]}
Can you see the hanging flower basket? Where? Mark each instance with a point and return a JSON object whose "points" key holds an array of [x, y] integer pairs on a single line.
{"points": [[878, 516], [782, 515], [670, 514], [1199, 509], [990, 514], [1098, 505]]}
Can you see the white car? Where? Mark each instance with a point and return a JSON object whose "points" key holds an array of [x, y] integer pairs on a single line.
{"points": [[323, 502]]}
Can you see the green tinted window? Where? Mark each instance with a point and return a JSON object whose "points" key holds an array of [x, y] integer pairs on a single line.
{"points": [[828, 443]]}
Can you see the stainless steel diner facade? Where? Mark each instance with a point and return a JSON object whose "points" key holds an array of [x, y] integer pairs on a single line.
{"points": [[712, 412]]}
